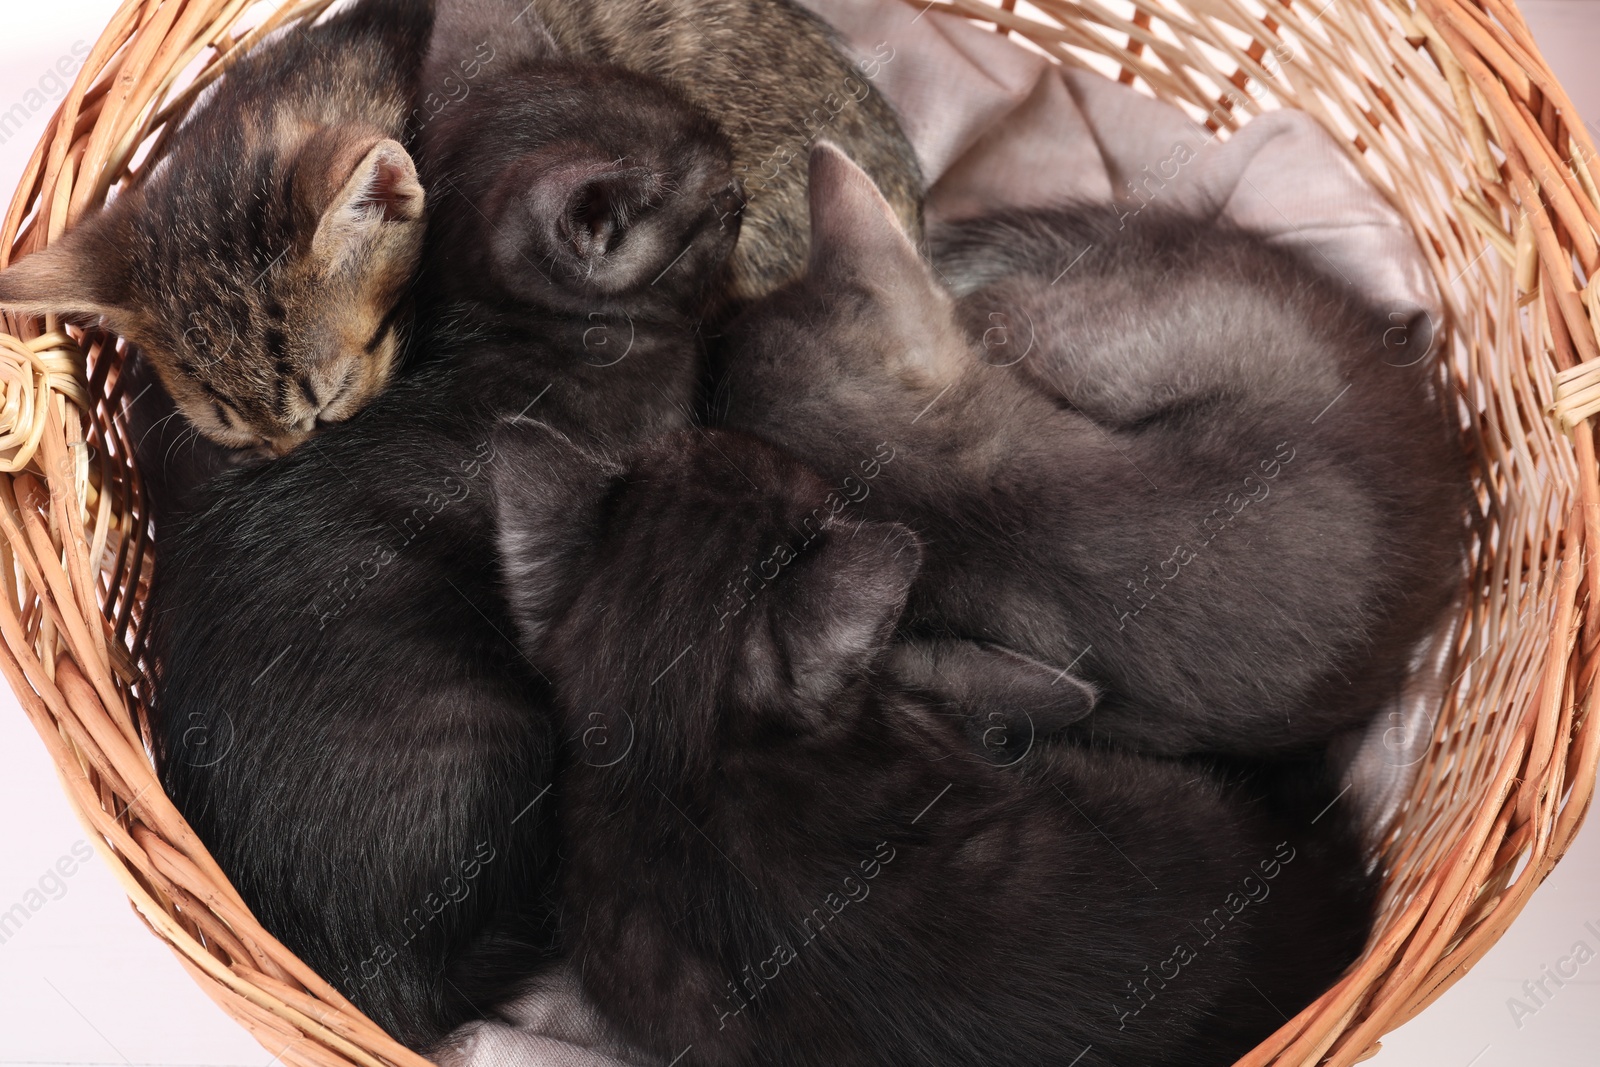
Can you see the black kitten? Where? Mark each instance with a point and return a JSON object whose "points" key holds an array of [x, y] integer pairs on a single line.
{"points": [[343, 716], [1169, 457], [773, 853]]}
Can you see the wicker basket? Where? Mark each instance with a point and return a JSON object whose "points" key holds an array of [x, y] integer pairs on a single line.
{"points": [[1446, 107]]}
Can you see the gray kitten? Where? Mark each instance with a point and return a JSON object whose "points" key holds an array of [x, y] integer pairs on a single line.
{"points": [[774, 853], [1170, 458]]}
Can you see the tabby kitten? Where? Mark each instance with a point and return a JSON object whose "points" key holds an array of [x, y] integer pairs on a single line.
{"points": [[342, 715], [775, 853], [259, 265], [1166, 456]]}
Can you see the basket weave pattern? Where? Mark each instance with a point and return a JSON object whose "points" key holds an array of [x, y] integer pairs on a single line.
{"points": [[1446, 107]]}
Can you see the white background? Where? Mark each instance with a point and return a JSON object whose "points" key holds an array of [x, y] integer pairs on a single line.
{"points": [[83, 982]]}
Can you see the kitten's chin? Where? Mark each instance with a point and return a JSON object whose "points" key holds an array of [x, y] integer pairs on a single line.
{"points": [[253, 446], [282, 446], [246, 448]]}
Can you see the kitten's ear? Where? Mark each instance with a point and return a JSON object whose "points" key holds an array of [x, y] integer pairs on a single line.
{"points": [[841, 606], [375, 196], [1006, 699], [581, 207], [548, 497], [852, 225], [599, 227], [856, 242], [85, 273]]}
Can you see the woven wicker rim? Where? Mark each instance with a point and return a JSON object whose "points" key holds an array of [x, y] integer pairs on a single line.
{"points": [[1446, 106]]}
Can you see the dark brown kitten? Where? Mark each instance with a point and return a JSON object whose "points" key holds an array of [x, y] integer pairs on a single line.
{"points": [[342, 716], [258, 265]]}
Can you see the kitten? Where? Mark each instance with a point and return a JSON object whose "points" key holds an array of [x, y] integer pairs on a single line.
{"points": [[259, 266], [774, 852], [1170, 458], [342, 715], [770, 72]]}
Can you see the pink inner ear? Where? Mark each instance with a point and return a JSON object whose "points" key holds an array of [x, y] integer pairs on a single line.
{"points": [[390, 192], [849, 215]]}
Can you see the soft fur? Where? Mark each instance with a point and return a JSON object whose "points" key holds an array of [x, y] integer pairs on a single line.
{"points": [[774, 852], [1161, 454], [343, 715]]}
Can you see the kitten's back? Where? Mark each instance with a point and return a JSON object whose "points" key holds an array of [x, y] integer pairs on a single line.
{"points": [[1205, 348], [1133, 314]]}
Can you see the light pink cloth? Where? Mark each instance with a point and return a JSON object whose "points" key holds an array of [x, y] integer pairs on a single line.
{"points": [[997, 125]]}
